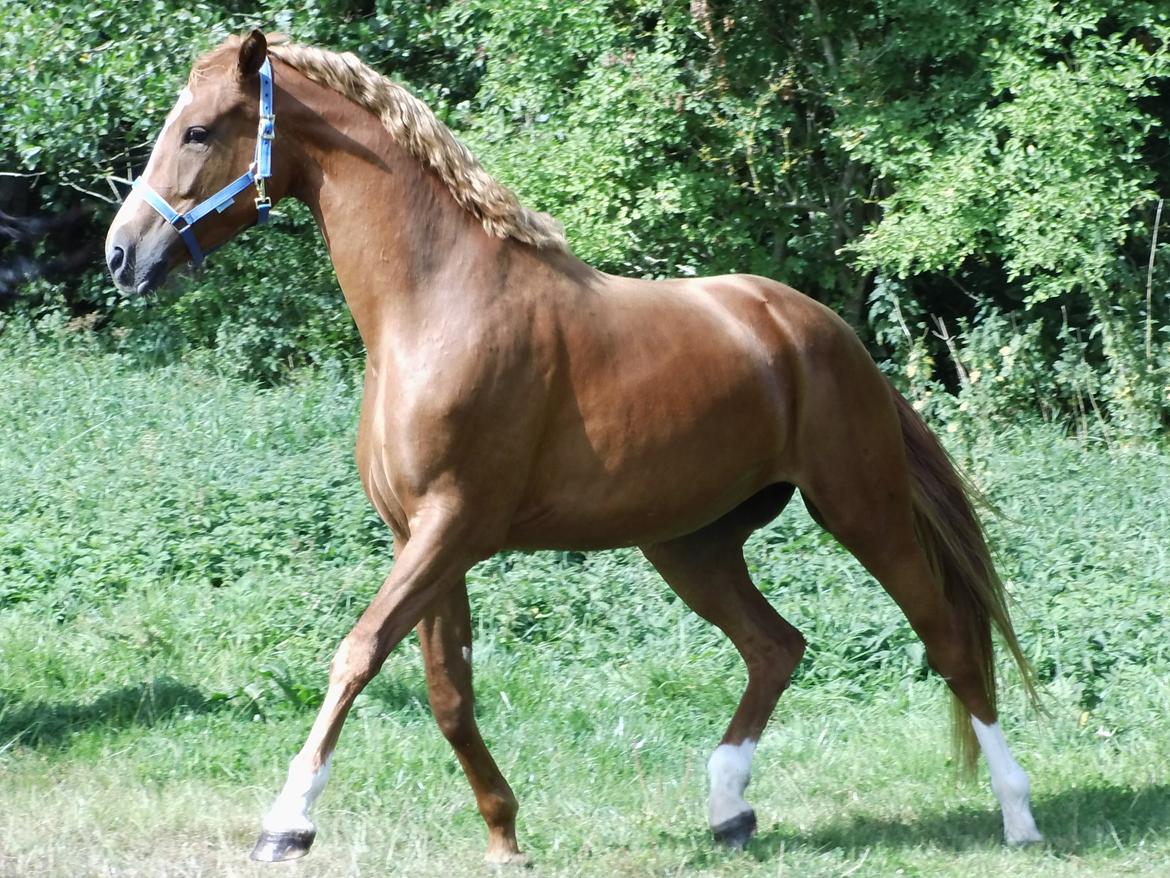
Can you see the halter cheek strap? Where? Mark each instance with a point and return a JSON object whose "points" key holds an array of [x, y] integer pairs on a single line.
{"points": [[257, 174]]}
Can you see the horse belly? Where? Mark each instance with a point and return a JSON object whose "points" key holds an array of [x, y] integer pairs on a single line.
{"points": [[666, 454]]}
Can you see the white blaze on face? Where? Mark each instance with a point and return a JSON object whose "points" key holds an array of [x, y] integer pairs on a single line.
{"points": [[134, 200], [729, 770], [1010, 784], [290, 811], [185, 99]]}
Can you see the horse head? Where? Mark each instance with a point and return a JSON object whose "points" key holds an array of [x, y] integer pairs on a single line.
{"points": [[210, 173]]}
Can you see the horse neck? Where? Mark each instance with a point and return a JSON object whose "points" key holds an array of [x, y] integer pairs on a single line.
{"points": [[401, 247]]}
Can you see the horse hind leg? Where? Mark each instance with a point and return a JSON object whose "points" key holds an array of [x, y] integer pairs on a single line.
{"points": [[868, 503], [445, 636], [708, 572]]}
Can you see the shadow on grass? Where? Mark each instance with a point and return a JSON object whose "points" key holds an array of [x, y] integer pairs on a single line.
{"points": [[51, 724], [1075, 822]]}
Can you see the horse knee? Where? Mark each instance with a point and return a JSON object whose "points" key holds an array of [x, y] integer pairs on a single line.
{"points": [[356, 661]]}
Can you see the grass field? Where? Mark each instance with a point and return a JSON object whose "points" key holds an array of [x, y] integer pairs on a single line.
{"points": [[180, 553]]}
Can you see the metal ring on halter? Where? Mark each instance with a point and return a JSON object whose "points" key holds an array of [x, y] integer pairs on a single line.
{"points": [[257, 174]]}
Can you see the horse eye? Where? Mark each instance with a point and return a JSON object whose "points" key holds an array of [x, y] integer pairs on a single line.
{"points": [[195, 134]]}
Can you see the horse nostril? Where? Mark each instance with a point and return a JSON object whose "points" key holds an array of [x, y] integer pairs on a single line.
{"points": [[116, 259]]}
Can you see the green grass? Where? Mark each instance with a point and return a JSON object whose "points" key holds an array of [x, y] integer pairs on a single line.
{"points": [[180, 553]]}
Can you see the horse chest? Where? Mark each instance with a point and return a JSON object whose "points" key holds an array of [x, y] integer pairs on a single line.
{"points": [[391, 456], [417, 432]]}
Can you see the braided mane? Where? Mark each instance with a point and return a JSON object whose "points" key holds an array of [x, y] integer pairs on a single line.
{"points": [[415, 127]]}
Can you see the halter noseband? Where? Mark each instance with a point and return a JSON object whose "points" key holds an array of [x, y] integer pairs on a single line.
{"points": [[258, 173]]}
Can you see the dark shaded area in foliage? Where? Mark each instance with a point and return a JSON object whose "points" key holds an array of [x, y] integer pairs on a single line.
{"points": [[57, 248]]}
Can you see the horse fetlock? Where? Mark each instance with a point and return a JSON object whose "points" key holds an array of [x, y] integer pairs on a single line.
{"points": [[731, 819], [287, 832], [1019, 828], [1014, 793], [1010, 784], [503, 851]]}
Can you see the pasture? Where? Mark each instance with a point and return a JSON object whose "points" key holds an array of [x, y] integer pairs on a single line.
{"points": [[181, 552]]}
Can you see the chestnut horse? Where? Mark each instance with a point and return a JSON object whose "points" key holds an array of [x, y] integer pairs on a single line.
{"points": [[518, 398]]}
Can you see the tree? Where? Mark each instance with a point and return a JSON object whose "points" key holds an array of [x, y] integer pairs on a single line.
{"points": [[997, 164]]}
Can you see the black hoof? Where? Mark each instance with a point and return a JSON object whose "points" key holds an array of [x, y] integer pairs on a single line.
{"points": [[735, 832], [276, 847]]}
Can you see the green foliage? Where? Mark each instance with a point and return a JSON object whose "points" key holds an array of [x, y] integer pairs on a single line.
{"points": [[980, 161], [216, 522], [243, 316], [592, 112], [1032, 150], [85, 85]]}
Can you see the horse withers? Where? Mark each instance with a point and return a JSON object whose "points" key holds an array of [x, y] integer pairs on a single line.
{"points": [[515, 397]]}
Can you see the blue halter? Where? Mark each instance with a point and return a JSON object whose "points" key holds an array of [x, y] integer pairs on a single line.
{"points": [[258, 174]]}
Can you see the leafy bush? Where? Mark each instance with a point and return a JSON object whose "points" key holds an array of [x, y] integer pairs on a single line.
{"points": [[961, 159], [246, 315]]}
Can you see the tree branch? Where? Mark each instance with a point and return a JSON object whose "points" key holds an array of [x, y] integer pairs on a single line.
{"points": [[1150, 285]]}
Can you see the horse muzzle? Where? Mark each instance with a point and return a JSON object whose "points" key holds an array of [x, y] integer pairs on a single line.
{"points": [[137, 266]]}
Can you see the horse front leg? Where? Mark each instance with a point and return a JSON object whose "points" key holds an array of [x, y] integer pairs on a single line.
{"points": [[433, 561], [445, 636]]}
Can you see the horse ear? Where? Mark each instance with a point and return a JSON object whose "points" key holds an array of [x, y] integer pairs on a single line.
{"points": [[253, 51]]}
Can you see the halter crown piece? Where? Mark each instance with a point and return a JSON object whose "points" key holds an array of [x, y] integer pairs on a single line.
{"points": [[258, 173]]}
